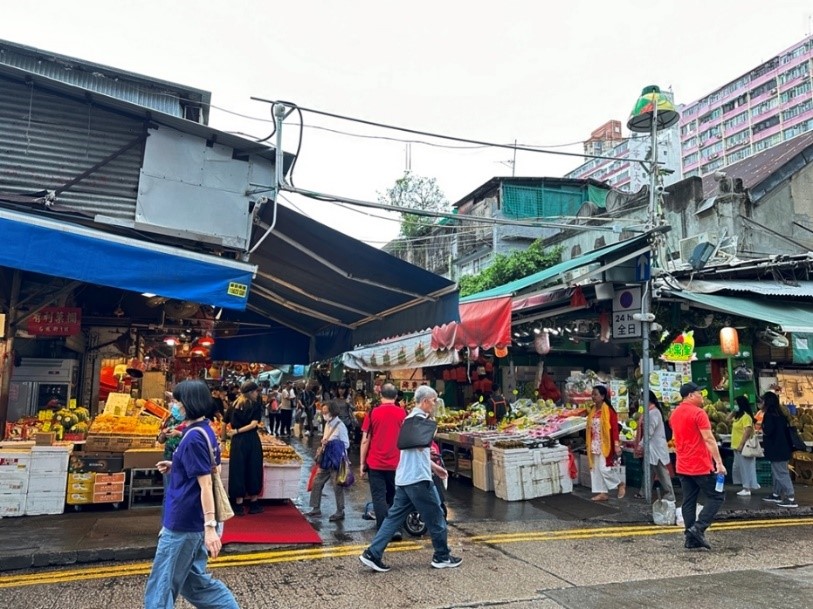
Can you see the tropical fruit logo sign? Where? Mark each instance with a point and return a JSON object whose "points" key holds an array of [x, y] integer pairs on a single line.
{"points": [[681, 349]]}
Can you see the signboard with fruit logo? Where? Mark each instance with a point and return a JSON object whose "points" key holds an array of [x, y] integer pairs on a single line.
{"points": [[681, 349]]}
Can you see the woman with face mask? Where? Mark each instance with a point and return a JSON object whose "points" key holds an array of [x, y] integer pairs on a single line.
{"points": [[742, 428]]}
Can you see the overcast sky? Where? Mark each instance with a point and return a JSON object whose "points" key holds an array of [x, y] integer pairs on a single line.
{"points": [[541, 72]]}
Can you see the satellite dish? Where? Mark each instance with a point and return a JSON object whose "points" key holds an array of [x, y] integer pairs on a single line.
{"points": [[774, 339]]}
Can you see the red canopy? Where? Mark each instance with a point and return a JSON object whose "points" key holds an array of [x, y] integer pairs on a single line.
{"points": [[485, 323]]}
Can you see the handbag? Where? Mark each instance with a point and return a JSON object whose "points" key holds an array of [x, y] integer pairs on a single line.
{"points": [[752, 447], [345, 477], [223, 510], [416, 432], [795, 440], [312, 476]]}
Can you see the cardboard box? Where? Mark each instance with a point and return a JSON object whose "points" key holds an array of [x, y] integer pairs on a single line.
{"points": [[117, 478], [142, 458], [82, 462], [104, 497], [44, 438], [117, 443]]}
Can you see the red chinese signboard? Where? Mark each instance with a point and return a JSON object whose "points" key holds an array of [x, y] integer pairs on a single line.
{"points": [[56, 321]]}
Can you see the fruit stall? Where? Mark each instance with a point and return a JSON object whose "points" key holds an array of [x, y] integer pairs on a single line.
{"points": [[282, 468]]}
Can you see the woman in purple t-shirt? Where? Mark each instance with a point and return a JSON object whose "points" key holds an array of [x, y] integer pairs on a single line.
{"points": [[190, 532]]}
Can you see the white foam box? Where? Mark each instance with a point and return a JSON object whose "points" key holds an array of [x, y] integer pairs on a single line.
{"points": [[14, 482], [45, 503], [281, 481], [12, 504], [50, 458], [15, 461], [47, 482], [508, 483], [567, 484], [483, 474]]}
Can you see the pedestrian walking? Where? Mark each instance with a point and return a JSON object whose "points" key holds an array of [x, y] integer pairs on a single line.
{"points": [[379, 454], [742, 428], [778, 450], [189, 534], [415, 491], [698, 465], [307, 404], [330, 456], [286, 409], [658, 448], [604, 446]]}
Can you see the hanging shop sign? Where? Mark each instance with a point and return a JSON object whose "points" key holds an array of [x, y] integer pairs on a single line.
{"points": [[410, 352], [56, 321], [681, 349]]}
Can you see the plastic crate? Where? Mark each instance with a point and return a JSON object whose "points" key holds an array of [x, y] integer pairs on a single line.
{"points": [[635, 469], [764, 476]]}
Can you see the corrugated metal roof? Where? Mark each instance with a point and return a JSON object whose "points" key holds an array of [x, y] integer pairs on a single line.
{"points": [[240, 145], [152, 93], [757, 169], [766, 288]]}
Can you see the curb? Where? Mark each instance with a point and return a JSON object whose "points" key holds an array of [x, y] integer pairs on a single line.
{"points": [[73, 557]]}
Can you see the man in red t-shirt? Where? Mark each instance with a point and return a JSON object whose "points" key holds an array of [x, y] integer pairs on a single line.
{"points": [[698, 463], [379, 451]]}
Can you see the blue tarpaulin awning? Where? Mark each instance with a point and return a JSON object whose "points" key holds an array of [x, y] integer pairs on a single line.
{"points": [[60, 249]]}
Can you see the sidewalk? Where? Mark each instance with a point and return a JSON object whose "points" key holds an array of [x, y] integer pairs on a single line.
{"points": [[99, 533]]}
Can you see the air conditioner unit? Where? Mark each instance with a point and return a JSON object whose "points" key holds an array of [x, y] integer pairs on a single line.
{"points": [[714, 155], [773, 91], [687, 245]]}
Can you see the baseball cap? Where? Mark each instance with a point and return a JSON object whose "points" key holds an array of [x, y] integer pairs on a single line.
{"points": [[688, 388]]}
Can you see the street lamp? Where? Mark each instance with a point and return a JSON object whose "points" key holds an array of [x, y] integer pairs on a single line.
{"points": [[652, 112]]}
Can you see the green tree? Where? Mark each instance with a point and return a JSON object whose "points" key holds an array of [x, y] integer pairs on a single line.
{"points": [[509, 267], [419, 193]]}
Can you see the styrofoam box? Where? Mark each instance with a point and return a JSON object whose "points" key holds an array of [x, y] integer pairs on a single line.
{"points": [[50, 458], [47, 482], [15, 460], [483, 475], [45, 503], [14, 482], [508, 484], [12, 504], [279, 489]]}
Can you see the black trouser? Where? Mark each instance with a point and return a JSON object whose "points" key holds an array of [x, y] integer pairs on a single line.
{"points": [[285, 417], [310, 411], [692, 486], [382, 490]]}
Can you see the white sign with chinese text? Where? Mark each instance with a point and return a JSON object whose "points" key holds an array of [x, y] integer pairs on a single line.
{"points": [[626, 303]]}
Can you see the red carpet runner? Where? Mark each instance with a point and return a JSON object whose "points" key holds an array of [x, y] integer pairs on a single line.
{"points": [[280, 523]]}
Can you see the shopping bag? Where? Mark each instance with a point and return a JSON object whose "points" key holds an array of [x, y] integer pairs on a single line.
{"points": [[345, 476], [752, 447], [314, 471], [664, 512]]}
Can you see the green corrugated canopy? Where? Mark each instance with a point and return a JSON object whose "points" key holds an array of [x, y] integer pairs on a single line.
{"points": [[789, 315]]}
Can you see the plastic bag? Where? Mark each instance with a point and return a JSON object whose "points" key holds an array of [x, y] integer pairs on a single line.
{"points": [[345, 476], [664, 512], [312, 476], [679, 514]]}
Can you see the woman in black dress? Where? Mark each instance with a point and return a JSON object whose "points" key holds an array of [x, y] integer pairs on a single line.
{"points": [[246, 455]]}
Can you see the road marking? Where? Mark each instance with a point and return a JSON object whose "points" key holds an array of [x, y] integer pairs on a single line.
{"points": [[284, 556]]}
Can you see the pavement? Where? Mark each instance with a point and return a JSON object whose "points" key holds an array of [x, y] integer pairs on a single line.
{"points": [[101, 534]]}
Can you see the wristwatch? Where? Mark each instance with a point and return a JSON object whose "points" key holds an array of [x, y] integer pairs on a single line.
{"points": [[210, 523]]}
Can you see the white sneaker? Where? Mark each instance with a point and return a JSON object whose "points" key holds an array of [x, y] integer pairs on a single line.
{"points": [[744, 493]]}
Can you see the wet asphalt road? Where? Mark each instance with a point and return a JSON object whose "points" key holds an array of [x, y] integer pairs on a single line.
{"points": [[557, 552]]}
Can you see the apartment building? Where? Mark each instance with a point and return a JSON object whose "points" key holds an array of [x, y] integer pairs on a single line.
{"points": [[767, 105]]}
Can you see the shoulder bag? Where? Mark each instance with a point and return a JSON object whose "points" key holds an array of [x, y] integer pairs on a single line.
{"points": [[752, 447], [794, 439], [416, 432], [223, 510]]}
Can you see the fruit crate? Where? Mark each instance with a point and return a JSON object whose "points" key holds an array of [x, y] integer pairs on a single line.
{"points": [[764, 476], [635, 469]]}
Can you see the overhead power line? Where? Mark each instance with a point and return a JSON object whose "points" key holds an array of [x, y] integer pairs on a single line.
{"points": [[447, 137]]}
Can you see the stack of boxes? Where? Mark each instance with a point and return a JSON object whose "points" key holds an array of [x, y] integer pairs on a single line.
{"points": [[15, 466], [46, 483], [527, 473], [95, 478], [32, 479]]}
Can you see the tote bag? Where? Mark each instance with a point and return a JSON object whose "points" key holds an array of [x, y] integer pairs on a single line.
{"points": [[223, 510], [416, 432]]}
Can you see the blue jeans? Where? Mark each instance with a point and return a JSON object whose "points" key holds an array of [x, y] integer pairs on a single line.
{"points": [[179, 567], [692, 486], [422, 497]]}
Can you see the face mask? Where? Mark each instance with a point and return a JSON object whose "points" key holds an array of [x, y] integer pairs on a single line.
{"points": [[176, 412]]}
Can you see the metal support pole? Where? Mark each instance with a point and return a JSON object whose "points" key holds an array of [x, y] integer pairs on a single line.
{"points": [[279, 116], [646, 306], [7, 364]]}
